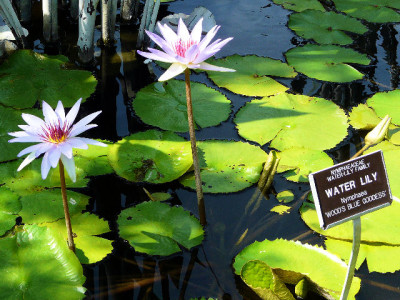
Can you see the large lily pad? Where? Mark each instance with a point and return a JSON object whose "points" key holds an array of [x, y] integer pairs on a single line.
{"points": [[300, 5], [36, 263], [227, 166], [168, 100], [27, 77], [151, 156], [293, 261], [251, 76], [378, 11], [327, 62], [363, 117], [298, 163], [289, 121], [325, 27], [156, 228], [10, 206], [386, 103]]}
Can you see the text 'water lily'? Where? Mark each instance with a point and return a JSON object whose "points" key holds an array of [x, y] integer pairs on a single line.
{"points": [[56, 136], [185, 50]]}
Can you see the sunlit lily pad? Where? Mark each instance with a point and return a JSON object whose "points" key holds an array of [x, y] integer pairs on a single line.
{"points": [[293, 261], [325, 27], [151, 156], [363, 117], [377, 227], [210, 107], [227, 166], [36, 263], [285, 196], [89, 247], [300, 5], [327, 62], [262, 280], [251, 76], [378, 11], [93, 161], [158, 229], [10, 206], [386, 103], [281, 209], [27, 77], [298, 163], [289, 121], [47, 206]]}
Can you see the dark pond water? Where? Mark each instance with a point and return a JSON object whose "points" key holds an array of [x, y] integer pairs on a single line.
{"points": [[258, 27]]}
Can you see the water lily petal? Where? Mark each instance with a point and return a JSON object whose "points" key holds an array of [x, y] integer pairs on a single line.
{"points": [[19, 133], [168, 34], [162, 43], [80, 129], [207, 66], [174, 70], [154, 56], [45, 168], [33, 120], [69, 165], [183, 32], [195, 36], [76, 142], [207, 39], [60, 112], [54, 156], [86, 120], [26, 161], [50, 117], [66, 149], [93, 142], [70, 118], [25, 139], [191, 53], [30, 149], [44, 147]]}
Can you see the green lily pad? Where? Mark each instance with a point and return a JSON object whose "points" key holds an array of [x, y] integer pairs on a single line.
{"points": [[363, 117], [227, 166], [325, 27], [156, 228], [293, 261], [289, 121], [37, 264], [380, 257], [89, 247], [298, 163], [27, 77], [327, 62], [386, 103], [47, 206], [285, 196], [262, 280], [251, 76], [300, 5], [377, 227], [281, 209], [151, 156], [378, 11], [161, 196], [210, 107], [10, 206]]}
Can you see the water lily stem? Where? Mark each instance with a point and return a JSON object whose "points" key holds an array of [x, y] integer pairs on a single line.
{"points": [[366, 146], [71, 244], [196, 165]]}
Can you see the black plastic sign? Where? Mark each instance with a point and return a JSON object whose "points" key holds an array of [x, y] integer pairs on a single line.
{"points": [[350, 189]]}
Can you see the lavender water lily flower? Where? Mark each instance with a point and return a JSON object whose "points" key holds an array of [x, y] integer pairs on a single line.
{"points": [[56, 136], [185, 50]]}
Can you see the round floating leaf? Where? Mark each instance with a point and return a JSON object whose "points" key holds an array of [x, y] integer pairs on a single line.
{"points": [[300, 5], [156, 228], [210, 107], [36, 263], [293, 261], [27, 77], [47, 206], [227, 166], [280, 209], [89, 247], [378, 11], [377, 227], [298, 163], [262, 280], [386, 103], [289, 121], [327, 62], [250, 78], [363, 117], [9, 209], [325, 27], [151, 156], [285, 196], [93, 161]]}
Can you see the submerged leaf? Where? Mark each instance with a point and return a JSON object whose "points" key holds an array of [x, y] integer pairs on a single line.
{"points": [[300, 5], [156, 228]]}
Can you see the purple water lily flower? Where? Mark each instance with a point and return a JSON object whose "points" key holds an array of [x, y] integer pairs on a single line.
{"points": [[184, 49], [56, 136]]}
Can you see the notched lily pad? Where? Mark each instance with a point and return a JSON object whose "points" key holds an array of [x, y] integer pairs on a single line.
{"points": [[151, 156], [210, 107], [158, 229], [10, 206], [285, 196], [325, 27], [251, 76], [327, 62], [283, 257], [289, 121], [386, 103], [281, 209], [27, 77], [300, 5], [227, 166]]}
